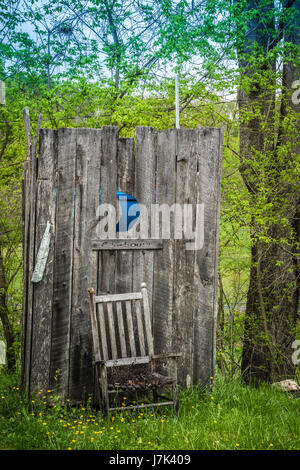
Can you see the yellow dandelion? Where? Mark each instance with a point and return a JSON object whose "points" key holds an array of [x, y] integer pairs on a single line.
{"points": [[237, 445]]}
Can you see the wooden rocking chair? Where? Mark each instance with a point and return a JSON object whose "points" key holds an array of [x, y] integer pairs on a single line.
{"points": [[122, 338]]}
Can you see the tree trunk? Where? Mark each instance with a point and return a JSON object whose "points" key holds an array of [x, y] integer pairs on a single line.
{"points": [[273, 295]]}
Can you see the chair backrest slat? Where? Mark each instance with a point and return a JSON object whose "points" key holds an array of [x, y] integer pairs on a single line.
{"points": [[121, 330], [112, 330], [138, 312], [130, 327], [103, 332]]}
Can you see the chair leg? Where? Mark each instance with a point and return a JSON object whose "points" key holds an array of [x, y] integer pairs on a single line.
{"points": [[104, 389], [174, 385]]}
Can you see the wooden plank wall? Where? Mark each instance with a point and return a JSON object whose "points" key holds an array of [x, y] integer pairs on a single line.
{"points": [[162, 167]]}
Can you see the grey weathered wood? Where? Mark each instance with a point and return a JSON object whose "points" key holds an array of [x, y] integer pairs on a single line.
{"points": [[102, 374], [147, 316], [87, 184], [118, 244], [121, 329], [112, 331], [183, 318], [145, 162], [26, 328], [125, 183], [63, 260], [118, 297], [43, 290], [94, 324], [142, 310], [164, 261], [206, 272], [181, 284], [130, 327], [128, 361], [25, 228], [27, 125], [102, 332], [108, 184], [138, 311]]}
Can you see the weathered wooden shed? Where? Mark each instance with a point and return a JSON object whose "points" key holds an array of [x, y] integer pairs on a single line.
{"points": [[73, 172]]}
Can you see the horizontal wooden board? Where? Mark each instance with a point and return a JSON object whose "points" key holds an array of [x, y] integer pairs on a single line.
{"points": [[128, 244], [117, 297]]}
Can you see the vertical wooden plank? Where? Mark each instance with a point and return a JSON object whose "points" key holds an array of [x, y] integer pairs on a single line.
{"points": [[63, 260], [43, 290], [206, 259], [108, 184], [125, 183], [85, 260], [184, 259], [94, 324], [26, 328], [164, 259], [25, 228], [145, 163], [126, 165]]}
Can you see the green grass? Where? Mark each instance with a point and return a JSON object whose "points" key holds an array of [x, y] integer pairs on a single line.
{"points": [[231, 417]]}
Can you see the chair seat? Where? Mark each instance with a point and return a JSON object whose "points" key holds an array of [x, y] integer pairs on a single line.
{"points": [[141, 382]]}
